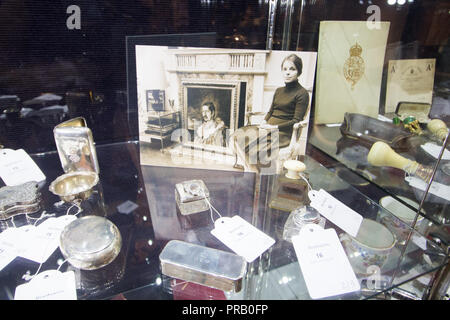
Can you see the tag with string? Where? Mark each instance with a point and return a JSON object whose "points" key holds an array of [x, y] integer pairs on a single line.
{"points": [[323, 262], [7, 247], [242, 237], [17, 167], [239, 235], [44, 239], [334, 210], [48, 285]]}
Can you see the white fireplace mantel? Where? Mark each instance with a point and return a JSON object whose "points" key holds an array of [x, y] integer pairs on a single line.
{"points": [[221, 61]]}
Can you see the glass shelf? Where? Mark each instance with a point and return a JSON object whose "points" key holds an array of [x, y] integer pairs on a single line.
{"points": [[353, 155], [146, 229]]}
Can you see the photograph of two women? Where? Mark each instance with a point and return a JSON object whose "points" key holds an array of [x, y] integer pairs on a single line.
{"points": [[223, 109]]}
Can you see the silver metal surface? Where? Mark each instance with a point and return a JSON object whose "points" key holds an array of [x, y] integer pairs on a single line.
{"points": [[190, 196], [75, 146], [14, 200], [202, 265], [90, 242], [74, 185]]}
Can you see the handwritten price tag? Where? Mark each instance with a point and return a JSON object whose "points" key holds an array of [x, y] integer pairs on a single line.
{"points": [[17, 167]]}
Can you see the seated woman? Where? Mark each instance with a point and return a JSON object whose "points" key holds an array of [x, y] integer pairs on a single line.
{"points": [[289, 106]]}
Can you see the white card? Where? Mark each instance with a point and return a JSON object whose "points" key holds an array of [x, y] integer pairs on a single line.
{"points": [[434, 150], [6, 257], [241, 237], [44, 240], [331, 208], [323, 262], [436, 188], [48, 285], [17, 167], [15, 240]]}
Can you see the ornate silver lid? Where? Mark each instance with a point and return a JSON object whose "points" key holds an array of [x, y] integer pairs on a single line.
{"points": [[19, 199]]}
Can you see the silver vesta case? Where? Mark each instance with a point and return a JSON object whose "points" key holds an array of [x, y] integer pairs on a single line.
{"points": [[75, 146], [202, 265], [191, 196]]}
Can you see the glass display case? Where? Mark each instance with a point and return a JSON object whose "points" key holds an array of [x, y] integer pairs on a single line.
{"points": [[166, 90]]}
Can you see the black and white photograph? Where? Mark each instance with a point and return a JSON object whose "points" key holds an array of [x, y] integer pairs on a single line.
{"points": [[222, 109]]}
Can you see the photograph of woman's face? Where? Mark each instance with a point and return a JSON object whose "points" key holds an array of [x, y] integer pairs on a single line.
{"points": [[290, 72]]}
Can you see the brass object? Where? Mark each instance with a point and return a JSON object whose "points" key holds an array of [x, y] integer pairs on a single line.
{"points": [[74, 185], [75, 146], [382, 155], [438, 128], [90, 242], [202, 265], [21, 199], [412, 124]]}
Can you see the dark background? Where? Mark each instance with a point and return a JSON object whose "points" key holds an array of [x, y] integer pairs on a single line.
{"points": [[88, 67]]}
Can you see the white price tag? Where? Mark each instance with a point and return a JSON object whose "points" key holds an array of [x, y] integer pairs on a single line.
{"points": [[14, 240], [323, 262], [48, 285], [436, 188], [17, 167], [335, 211], [44, 239], [6, 257], [241, 237]]}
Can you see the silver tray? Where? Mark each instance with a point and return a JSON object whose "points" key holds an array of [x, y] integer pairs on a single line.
{"points": [[202, 265]]}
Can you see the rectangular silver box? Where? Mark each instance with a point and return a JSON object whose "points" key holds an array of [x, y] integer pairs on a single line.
{"points": [[202, 265], [75, 146], [190, 196]]}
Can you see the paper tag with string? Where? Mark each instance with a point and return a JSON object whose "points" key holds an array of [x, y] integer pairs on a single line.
{"points": [[242, 237], [17, 167], [323, 262], [48, 285], [334, 210], [7, 248], [44, 239]]}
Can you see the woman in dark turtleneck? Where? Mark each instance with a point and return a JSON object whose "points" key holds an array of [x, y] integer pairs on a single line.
{"points": [[289, 102], [288, 107]]}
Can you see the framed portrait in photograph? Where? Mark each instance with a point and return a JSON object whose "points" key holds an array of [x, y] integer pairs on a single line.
{"points": [[217, 95]]}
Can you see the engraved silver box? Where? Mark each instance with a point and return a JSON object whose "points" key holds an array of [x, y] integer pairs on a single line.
{"points": [[202, 265], [75, 146], [21, 199], [191, 196]]}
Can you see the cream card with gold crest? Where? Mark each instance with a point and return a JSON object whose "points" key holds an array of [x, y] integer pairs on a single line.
{"points": [[409, 80], [349, 69]]}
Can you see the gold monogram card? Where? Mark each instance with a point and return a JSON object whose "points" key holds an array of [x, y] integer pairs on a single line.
{"points": [[409, 80], [349, 69]]}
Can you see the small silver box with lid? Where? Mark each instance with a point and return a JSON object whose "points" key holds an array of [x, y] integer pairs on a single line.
{"points": [[202, 265]]}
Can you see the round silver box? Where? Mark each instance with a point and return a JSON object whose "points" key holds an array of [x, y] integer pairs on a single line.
{"points": [[90, 242]]}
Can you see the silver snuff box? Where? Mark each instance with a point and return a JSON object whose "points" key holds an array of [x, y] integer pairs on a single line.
{"points": [[202, 265], [90, 242], [21, 199], [191, 196]]}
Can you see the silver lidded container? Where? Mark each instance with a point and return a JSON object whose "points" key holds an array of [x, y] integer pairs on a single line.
{"points": [[300, 217], [191, 197], [90, 242], [202, 265]]}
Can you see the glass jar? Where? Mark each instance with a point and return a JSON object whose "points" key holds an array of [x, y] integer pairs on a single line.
{"points": [[300, 217]]}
